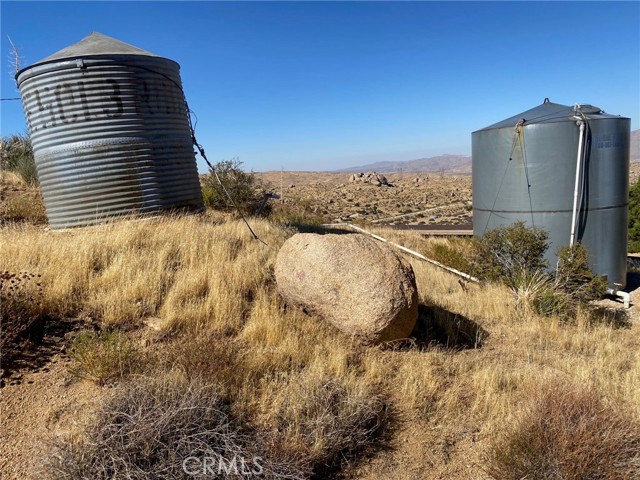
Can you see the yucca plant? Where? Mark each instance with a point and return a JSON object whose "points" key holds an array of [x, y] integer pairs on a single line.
{"points": [[529, 285]]}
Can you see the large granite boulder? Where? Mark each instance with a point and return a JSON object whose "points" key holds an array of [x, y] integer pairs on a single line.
{"points": [[372, 178], [358, 284]]}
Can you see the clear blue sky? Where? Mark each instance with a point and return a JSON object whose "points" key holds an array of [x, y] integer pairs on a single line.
{"points": [[326, 85]]}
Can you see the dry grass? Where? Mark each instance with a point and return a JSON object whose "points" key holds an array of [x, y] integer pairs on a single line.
{"points": [[195, 274], [10, 179], [297, 380], [319, 419], [19, 201], [568, 432]]}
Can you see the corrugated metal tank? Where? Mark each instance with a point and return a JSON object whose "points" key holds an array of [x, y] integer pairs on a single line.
{"points": [[524, 169], [110, 133]]}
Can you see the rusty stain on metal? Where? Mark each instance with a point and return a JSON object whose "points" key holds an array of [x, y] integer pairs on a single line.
{"points": [[110, 133]]}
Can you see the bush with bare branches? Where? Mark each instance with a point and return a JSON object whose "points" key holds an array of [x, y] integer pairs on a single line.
{"points": [[165, 428], [568, 432]]}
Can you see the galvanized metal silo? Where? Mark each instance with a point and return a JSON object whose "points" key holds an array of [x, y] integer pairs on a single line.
{"points": [[561, 168], [110, 133]]}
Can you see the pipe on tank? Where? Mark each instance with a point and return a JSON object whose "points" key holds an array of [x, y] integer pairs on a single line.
{"points": [[626, 298], [580, 123]]}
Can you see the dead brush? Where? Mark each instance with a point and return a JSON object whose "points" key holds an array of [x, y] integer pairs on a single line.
{"points": [[568, 432], [158, 427]]}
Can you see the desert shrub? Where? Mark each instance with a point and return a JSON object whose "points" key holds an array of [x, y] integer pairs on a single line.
{"points": [[573, 285], [17, 156], [513, 255], [634, 217], [574, 276], [103, 357], [504, 253], [548, 301], [158, 427], [529, 286], [451, 255], [568, 432], [242, 187], [298, 215], [298, 417]]}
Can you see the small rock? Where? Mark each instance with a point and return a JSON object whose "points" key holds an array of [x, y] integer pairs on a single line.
{"points": [[154, 323]]}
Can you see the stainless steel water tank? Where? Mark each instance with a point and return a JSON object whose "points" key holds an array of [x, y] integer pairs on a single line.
{"points": [[110, 133], [524, 169]]}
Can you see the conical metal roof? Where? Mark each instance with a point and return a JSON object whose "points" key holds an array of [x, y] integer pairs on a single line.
{"points": [[549, 112], [96, 44]]}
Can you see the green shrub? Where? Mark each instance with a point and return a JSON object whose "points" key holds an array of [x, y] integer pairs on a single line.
{"points": [[549, 301], [103, 357], [574, 277], [450, 255], [16, 155], [513, 255], [502, 254], [295, 216], [572, 285], [243, 187], [634, 218]]}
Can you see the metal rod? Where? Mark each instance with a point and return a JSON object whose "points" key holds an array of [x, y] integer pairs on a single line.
{"points": [[406, 250], [580, 123]]}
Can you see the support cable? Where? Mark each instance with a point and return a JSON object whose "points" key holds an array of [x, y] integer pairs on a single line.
{"points": [[202, 153], [526, 168], [504, 174]]}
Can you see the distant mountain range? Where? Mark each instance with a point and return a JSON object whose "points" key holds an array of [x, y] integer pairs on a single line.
{"points": [[635, 146], [441, 163], [460, 164]]}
